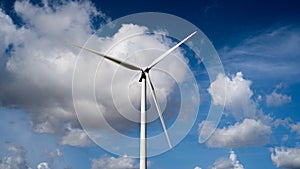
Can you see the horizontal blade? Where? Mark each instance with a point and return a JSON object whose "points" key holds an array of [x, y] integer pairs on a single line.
{"points": [[120, 62], [158, 109], [161, 57]]}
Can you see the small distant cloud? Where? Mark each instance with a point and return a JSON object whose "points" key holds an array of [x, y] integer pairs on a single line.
{"points": [[295, 128], [75, 137], [123, 162], [277, 99], [228, 163], [43, 165], [286, 157], [282, 122], [16, 160]]}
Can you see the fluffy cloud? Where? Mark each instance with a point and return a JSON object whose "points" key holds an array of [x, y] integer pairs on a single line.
{"points": [[43, 165], [286, 157], [248, 133], [37, 65], [123, 162], [76, 137], [228, 163], [277, 99], [251, 128], [16, 160], [238, 99]]}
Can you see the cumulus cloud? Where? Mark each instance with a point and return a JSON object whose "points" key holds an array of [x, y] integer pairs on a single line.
{"points": [[16, 159], [250, 132], [228, 163], [286, 157], [123, 162], [238, 100], [43, 165], [277, 99], [37, 65], [251, 128]]}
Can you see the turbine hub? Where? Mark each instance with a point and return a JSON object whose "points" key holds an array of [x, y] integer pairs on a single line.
{"points": [[143, 76]]}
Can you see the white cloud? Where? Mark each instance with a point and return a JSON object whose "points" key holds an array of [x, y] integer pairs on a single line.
{"points": [[75, 137], [248, 133], [123, 162], [295, 128], [38, 70], [266, 55], [197, 167], [43, 165], [16, 160], [286, 157], [238, 99], [228, 163], [56, 154], [277, 99], [282, 122]]}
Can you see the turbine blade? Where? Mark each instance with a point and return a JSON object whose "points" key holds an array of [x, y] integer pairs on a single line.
{"points": [[161, 57], [158, 109], [115, 60]]}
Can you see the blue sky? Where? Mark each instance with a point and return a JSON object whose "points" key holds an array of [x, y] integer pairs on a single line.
{"points": [[257, 42]]}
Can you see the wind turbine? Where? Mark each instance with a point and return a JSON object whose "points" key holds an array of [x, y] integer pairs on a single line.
{"points": [[144, 78]]}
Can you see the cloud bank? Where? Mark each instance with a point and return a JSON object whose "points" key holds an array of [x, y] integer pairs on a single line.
{"points": [[37, 64]]}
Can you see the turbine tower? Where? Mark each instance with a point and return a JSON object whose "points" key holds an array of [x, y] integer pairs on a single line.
{"points": [[144, 79]]}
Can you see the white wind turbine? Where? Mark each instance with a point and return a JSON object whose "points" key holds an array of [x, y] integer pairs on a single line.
{"points": [[145, 78]]}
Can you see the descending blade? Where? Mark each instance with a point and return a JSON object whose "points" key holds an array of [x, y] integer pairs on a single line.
{"points": [[156, 61], [158, 109], [120, 62]]}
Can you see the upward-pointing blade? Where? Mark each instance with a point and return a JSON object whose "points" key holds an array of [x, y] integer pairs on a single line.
{"points": [[161, 57], [120, 62], [158, 109]]}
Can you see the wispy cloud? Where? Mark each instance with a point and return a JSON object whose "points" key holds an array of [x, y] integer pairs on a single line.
{"points": [[271, 54], [276, 98]]}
